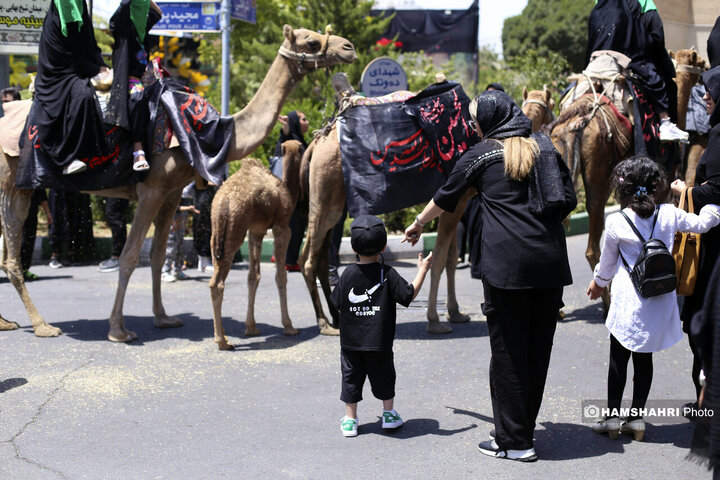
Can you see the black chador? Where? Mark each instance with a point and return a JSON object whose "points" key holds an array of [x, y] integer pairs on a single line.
{"points": [[69, 119]]}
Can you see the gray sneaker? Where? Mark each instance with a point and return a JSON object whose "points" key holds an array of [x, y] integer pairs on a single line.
{"points": [[109, 265], [55, 263]]}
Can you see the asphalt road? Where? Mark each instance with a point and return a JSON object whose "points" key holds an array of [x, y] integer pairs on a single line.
{"points": [[171, 406]]}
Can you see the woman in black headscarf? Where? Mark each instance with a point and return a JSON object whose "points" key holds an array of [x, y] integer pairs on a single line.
{"points": [[69, 119], [707, 190], [128, 105], [526, 192], [294, 127]]}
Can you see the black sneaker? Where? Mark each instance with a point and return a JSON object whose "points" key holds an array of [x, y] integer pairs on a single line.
{"points": [[491, 449]]}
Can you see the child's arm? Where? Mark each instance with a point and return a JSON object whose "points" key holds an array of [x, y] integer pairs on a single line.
{"points": [[708, 218], [424, 265], [606, 268]]}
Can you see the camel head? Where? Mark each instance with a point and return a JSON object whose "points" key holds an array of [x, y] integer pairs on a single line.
{"points": [[538, 106], [313, 50], [688, 61]]}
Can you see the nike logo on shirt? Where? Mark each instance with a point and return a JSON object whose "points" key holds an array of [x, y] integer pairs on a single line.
{"points": [[363, 297]]}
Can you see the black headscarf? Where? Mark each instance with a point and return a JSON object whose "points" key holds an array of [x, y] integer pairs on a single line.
{"points": [[294, 133], [713, 45], [615, 25], [711, 80], [495, 86], [498, 116]]}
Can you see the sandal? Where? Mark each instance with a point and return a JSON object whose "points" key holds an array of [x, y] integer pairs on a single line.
{"points": [[140, 164]]}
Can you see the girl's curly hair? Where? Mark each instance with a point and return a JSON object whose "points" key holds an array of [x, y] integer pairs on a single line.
{"points": [[638, 182]]}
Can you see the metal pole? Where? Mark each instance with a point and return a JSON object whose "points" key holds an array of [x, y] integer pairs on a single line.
{"points": [[225, 27]]}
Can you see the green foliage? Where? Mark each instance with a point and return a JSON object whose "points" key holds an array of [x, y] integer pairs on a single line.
{"points": [[549, 26]]}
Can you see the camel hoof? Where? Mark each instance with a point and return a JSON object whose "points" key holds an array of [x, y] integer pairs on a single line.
{"points": [[224, 345], [8, 325], [44, 330], [457, 317], [561, 315], [252, 331], [328, 330], [121, 335], [167, 322], [291, 331], [437, 327]]}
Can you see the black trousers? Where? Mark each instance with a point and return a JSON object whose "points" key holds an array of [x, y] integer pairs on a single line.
{"points": [[115, 210], [298, 224], [617, 375], [72, 224], [29, 232], [521, 325], [202, 225]]}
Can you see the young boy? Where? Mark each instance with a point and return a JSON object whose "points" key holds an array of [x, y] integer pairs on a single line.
{"points": [[366, 297]]}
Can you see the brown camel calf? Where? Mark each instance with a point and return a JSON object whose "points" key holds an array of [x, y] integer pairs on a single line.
{"points": [[253, 200]]}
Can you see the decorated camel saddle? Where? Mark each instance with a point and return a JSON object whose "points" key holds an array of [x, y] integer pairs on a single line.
{"points": [[178, 117], [398, 150]]}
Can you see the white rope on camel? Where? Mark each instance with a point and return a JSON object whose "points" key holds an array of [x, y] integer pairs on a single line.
{"points": [[597, 104]]}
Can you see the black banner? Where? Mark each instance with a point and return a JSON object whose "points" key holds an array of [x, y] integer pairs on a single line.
{"points": [[398, 154], [434, 30]]}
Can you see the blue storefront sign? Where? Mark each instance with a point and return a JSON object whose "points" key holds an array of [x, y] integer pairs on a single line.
{"points": [[189, 16], [243, 10]]}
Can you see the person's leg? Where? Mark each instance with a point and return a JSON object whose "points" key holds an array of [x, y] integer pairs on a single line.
{"points": [[617, 373], [542, 310], [59, 227], [696, 367], [139, 114], [509, 373], [352, 368], [298, 222], [115, 211], [642, 380], [29, 234]]}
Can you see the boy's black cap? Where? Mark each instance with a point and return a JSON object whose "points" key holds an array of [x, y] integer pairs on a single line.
{"points": [[368, 235]]}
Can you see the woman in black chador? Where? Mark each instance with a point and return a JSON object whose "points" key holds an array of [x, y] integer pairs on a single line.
{"points": [[128, 105], [69, 119]]}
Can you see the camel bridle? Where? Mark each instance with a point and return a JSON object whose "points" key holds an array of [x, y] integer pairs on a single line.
{"points": [[691, 69], [548, 111], [319, 58]]}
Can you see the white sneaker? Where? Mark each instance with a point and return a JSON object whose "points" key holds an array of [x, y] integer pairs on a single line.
{"points": [[205, 264], [669, 132], [349, 426], [490, 448], [168, 277], [75, 166], [391, 419]]}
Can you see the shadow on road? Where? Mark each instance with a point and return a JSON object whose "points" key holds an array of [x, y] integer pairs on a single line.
{"points": [[415, 427], [592, 313], [272, 338], [11, 383], [418, 331]]}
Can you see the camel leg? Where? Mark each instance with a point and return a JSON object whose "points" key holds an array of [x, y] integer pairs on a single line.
{"points": [[149, 203], [281, 239], [163, 222], [5, 324], [310, 261], [14, 205], [253, 279], [221, 269], [440, 256], [454, 315], [697, 148]]}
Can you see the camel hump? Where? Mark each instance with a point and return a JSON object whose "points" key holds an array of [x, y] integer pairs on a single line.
{"points": [[12, 124], [251, 163]]}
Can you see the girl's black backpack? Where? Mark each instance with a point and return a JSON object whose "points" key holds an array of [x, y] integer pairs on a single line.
{"points": [[654, 270]]}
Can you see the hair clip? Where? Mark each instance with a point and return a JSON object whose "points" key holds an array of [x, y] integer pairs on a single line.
{"points": [[621, 179], [641, 191]]}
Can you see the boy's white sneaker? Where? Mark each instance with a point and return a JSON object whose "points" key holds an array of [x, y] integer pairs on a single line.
{"points": [[349, 426], [669, 132], [391, 419]]}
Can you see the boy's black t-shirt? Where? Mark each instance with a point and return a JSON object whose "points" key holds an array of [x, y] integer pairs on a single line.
{"points": [[367, 306]]}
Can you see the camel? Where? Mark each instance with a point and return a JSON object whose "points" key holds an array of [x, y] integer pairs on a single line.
{"points": [[592, 140], [687, 72], [253, 199], [322, 164], [538, 106], [302, 51]]}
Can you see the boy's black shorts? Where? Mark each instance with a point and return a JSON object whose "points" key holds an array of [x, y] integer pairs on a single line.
{"points": [[377, 366]]}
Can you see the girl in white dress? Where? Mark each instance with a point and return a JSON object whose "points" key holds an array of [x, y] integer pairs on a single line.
{"points": [[638, 326]]}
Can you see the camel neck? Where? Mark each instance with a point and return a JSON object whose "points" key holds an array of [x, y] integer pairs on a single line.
{"points": [[254, 123]]}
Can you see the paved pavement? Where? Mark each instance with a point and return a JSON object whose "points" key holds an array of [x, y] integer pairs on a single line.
{"points": [[171, 406]]}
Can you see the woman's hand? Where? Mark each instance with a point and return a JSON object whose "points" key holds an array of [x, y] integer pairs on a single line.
{"points": [[678, 187], [412, 233], [594, 290]]}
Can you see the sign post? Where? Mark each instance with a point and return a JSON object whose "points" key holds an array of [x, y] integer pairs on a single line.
{"points": [[383, 76]]}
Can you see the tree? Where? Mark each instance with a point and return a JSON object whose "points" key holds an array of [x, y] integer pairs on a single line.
{"points": [[549, 26]]}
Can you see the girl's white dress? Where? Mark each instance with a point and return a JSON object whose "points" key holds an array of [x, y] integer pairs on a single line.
{"points": [[644, 324]]}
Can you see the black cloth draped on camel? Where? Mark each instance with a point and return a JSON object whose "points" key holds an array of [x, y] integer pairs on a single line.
{"points": [[68, 116]]}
